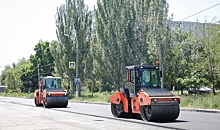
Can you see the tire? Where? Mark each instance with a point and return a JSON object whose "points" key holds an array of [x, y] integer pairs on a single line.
{"points": [[146, 113], [36, 103], [117, 110]]}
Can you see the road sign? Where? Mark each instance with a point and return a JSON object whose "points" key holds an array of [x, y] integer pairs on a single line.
{"points": [[72, 65], [77, 80]]}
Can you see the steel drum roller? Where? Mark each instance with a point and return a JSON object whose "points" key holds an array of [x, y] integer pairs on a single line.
{"points": [[160, 112], [57, 101]]}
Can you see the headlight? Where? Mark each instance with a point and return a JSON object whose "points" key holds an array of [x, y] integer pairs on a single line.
{"points": [[65, 93], [48, 94], [155, 100]]}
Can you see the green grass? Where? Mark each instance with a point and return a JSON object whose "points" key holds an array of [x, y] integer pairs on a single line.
{"points": [[97, 97], [185, 92], [20, 95], [204, 101]]}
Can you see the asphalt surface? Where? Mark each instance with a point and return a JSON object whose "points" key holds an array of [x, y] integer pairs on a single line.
{"points": [[195, 119], [35, 118]]}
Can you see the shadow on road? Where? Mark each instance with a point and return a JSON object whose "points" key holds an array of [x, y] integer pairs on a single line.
{"points": [[176, 121]]}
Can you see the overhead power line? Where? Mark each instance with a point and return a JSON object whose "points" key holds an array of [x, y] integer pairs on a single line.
{"points": [[200, 11]]}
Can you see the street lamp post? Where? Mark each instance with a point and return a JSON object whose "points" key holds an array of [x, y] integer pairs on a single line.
{"points": [[77, 61]]}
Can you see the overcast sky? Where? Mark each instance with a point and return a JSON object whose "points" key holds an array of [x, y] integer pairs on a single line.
{"points": [[24, 22]]}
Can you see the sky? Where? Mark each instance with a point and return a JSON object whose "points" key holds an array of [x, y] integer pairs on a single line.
{"points": [[24, 22]]}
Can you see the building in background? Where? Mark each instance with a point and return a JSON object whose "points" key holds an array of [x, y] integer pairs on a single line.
{"points": [[196, 27]]}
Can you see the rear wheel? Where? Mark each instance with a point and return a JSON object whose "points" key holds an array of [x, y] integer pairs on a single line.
{"points": [[36, 102], [117, 109], [146, 113]]}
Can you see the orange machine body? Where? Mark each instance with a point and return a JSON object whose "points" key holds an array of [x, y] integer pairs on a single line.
{"points": [[50, 93], [140, 100], [147, 98]]}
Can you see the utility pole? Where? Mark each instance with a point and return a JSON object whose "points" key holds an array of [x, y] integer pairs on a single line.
{"points": [[77, 61], [161, 55], [38, 73], [77, 65]]}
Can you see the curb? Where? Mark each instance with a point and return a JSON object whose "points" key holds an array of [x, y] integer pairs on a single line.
{"points": [[181, 109], [201, 110], [99, 103]]}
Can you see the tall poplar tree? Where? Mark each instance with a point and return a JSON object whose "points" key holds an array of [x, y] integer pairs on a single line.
{"points": [[73, 22], [131, 32]]}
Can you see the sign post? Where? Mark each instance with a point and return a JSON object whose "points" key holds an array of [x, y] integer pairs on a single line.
{"points": [[77, 80]]}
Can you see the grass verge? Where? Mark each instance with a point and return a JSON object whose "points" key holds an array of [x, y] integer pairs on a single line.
{"points": [[96, 97], [204, 101], [20, 95]]}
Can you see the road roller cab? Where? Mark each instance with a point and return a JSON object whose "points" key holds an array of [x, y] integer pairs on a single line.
{"points": [[50, 93], [144, 96]]}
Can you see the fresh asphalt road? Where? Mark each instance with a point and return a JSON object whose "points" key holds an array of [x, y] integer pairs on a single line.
{"points": [[21, 117], [186, 119]]}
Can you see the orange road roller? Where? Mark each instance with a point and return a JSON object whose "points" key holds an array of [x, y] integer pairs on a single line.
{"points": [[50, 93], [143, 96]]}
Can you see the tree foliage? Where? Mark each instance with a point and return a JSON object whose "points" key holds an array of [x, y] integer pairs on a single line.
{"points": [[44, 58], [73, 22], [11, 75], [201, 57], [128, 33]]}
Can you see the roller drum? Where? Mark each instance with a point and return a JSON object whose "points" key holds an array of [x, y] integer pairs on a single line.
{"points": [[57, 101], [165, 112], [160, 112]]}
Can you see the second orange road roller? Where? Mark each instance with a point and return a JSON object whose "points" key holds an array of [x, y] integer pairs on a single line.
{"points": [[144, 96], [50, 93]]}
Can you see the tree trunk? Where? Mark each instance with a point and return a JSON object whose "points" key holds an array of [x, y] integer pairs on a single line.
{"points": [[213, 83], [92, 87], [71, 87], [181, 89]]}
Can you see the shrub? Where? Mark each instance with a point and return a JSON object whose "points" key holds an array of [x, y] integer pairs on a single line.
{"points": [[8, 90]]}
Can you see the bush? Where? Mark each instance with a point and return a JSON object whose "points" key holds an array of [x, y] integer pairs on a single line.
{"points": [[70, 96], [8, 90]]}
